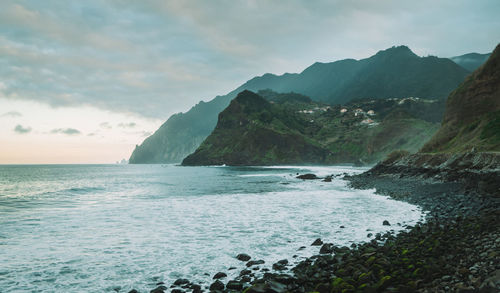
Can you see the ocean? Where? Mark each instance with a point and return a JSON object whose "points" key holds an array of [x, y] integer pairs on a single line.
{"points": [[111, 228]]}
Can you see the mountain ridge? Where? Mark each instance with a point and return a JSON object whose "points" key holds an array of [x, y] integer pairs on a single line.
{"points": [[334, 82]]}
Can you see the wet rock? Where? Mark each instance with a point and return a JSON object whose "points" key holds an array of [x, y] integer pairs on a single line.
{"points": [[220, 275], [255, 262], [277, 287], [386, 223], [245, 272], [317, 242], [246, 279], [326, 248], [159, 289], [177, 291], [492, 283], [217, 286], [307, 176], [180, 282], [133, 291], [280, 265], [328, 178], [234, 285], [243, 257], [258, 288], [196, 288]]}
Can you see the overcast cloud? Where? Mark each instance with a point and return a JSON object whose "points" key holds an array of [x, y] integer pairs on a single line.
{"points": [[67, 131], [21, 129], [11, 114], [155, 58]]}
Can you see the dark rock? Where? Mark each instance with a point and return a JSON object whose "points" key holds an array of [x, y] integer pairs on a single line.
{"points": [[217, 286], [220, 275], [133, 291], [326, 248], [386, 223], [317, 242], [246, 279], [258, 288], [328, 179], [342, 227], [234, 285], [307, 176], [245, 272], [196, 287], [177, 291], [255, 262], [179, 282], [231, 268], [159, 289], [280, 265], [277, 287], [243, 257]]}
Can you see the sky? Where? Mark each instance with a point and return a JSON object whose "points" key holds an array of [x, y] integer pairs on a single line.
{"points": [[85, 81]]}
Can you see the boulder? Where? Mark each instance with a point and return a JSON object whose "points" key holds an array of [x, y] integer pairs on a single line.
{"points": [[217, 286], [307, 176], [234, 285], [220, 275], [255, 262], [243, 257], [317, 242]]}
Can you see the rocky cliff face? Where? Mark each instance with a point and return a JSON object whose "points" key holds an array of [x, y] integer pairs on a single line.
{"points": [[252, 131], [472, 116], [466, 147]]}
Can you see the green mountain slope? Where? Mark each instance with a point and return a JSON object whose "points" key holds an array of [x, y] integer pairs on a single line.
{"points": [[395, 72], [472, 116], [254, 130]]}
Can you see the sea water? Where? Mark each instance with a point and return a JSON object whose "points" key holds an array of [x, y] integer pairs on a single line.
{"points": [[111, 228]]}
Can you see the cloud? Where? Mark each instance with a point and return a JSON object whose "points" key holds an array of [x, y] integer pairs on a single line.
{"points": [[67, 131], [12, 114], [105, 125], [127, 125], [157, 57], [22, 130]]}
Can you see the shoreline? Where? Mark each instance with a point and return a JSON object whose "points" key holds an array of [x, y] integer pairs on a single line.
{"points": [[455, 249]]}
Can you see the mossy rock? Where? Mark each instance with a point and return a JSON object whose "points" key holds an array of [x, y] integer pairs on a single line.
{"points": [[364, 277], [384, 282], [339, 285]]}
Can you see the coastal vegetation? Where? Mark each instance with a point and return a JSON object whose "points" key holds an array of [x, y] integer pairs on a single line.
{"points": [[272, 129]]}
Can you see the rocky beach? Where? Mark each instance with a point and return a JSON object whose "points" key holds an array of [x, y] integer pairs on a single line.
{"points": [[455, 250]]}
